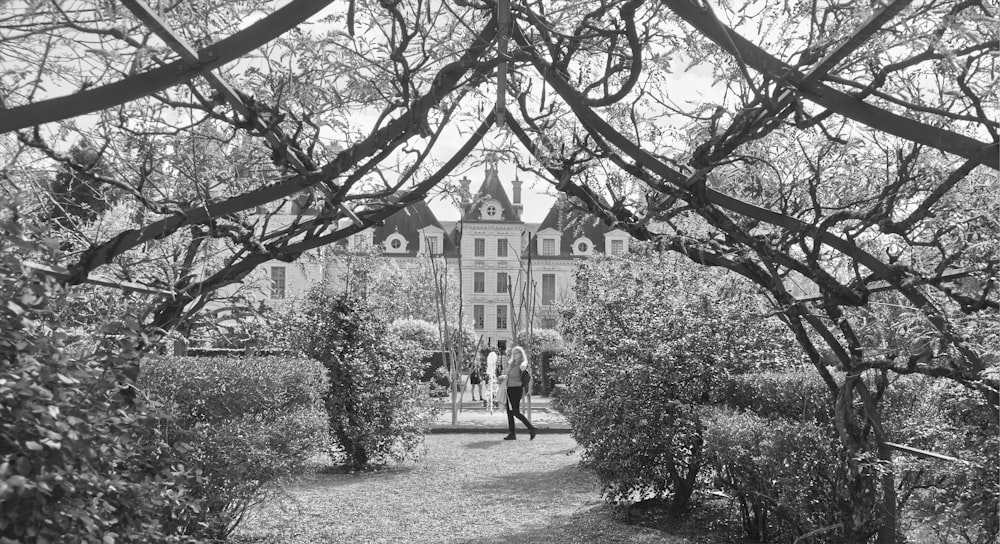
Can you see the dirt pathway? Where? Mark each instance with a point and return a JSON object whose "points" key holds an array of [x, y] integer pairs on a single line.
{"points": [[468, 488]]}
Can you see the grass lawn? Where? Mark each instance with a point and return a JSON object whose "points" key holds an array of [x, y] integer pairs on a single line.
{"points": [[467, 488]]}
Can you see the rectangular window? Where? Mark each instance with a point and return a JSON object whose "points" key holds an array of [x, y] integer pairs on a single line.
{"points": [[277, 282], [617, 247], [501, 282], [502, 247], [502, 317], [479, 282], [432, 245], [548, 247], [480, 247], [548, 289], [478, 316]]}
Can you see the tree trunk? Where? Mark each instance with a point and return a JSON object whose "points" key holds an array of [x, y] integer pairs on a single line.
{"points": [[858, 496]]}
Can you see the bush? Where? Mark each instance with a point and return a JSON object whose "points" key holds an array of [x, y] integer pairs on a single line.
{"points": [[248, 423], [779, 473], [78, 461], [793, 396], [954, 501], [641, 442], [373, 414], [546, 345]]}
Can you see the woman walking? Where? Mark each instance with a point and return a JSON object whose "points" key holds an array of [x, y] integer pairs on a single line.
{"points": [[517, 380]]}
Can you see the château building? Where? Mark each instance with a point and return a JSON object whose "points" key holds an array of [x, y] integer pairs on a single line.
{"points": [[503, 259]]}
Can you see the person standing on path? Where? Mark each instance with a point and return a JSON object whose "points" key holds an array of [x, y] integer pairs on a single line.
{"points": [[475, 380], [517, 379]]}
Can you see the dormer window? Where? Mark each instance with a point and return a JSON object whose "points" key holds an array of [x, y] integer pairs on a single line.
{"points": [[583, 246], [548, 247], [549, 240], [431, 240], [360, 240], [491, 211], [395, 243], [616, 242]]}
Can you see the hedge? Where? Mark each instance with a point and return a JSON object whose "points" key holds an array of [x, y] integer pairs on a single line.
{"points": [[248, 422]]}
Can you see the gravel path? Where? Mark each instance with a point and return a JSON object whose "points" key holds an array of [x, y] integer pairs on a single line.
{"points": [[467, 488]]}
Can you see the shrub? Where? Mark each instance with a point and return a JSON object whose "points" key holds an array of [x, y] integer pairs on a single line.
{"points": [[779, 473], [793, 396], [373, 414], [546, 345], [955, 501], [78, 461], [641, 442], [417, 336], [248, 423]]}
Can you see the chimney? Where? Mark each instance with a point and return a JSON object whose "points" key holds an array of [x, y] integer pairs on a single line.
{"points": [[465, 181], [517, 196]]}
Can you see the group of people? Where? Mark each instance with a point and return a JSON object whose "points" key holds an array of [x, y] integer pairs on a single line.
{"points": [[514, 378]]}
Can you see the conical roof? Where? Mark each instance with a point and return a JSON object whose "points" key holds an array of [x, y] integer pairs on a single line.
{"points": [[492, 189]]}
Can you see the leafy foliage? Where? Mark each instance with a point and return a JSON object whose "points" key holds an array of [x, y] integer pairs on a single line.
{"points": [[546, 345], [75, 198], [649, 345], [779, 473], [639, 440], [792, 396], [373, 412], [76, 459], [954, 501], [248, 423]]}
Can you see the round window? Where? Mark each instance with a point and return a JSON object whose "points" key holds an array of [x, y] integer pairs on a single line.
{"points": [[395, 243], [491, 210], [582, 247]]}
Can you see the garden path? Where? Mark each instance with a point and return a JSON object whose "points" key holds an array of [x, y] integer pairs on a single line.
{"points": [[467, 488]]}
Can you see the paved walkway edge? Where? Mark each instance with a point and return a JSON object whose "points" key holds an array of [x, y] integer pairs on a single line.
{"points": [[464, 429]]}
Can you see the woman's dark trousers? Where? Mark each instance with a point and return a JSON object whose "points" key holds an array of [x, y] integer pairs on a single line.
{"points": [[514, 408]]}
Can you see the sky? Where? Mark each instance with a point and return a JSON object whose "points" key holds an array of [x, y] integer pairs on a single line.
{"points": [[687, 86], [536, 202], [537, 196]]}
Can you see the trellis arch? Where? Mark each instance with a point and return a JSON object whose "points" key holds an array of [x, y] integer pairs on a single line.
{"points": [[565, 79]]}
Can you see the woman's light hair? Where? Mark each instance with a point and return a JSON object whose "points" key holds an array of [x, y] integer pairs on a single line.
{"points": [[524, 355]]}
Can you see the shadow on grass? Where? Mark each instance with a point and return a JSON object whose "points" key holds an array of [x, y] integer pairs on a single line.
{"points": [[601, 523], [531, 487], [592, 524], [484, 444], [567, 451], [335, 477]]}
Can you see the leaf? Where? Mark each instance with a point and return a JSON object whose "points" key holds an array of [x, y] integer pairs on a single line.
{"points": [[15, 308], [33, 446]]}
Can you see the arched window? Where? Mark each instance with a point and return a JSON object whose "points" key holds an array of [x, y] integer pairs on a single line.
{"points": [[395, 243]]}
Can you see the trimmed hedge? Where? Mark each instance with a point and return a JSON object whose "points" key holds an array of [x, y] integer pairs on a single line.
{"points": [[248, 422], [780, 474], [215, 389], [793, 396]]}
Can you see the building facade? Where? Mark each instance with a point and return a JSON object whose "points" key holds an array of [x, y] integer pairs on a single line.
{"points": [[509, 269]]}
